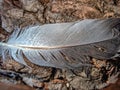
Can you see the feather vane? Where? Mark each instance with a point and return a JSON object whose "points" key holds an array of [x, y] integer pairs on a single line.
{"points": [[64, 45]]}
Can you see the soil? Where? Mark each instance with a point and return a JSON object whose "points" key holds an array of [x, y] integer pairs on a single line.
{"points": [[24, 13]]}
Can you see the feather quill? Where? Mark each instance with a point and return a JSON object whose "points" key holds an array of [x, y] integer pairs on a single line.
{"points": [[64, 45]]}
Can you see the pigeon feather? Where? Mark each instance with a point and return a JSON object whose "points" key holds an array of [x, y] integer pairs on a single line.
{"points": [[64, 45]]}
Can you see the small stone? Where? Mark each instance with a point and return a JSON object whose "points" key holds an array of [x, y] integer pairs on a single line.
{"points": [[68, 85], [33, 82], [15, 13], [30, 5]]}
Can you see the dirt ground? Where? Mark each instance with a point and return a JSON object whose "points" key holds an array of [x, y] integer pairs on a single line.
{"points": [[22, 13]]}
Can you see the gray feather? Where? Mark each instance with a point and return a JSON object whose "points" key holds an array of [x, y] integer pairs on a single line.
{"points": [[64, 45]]}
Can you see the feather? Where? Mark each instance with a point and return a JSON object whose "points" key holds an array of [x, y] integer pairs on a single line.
{"points": [[64, 45]]}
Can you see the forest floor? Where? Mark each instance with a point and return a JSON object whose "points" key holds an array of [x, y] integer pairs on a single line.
{"points": [[22, 13]]}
